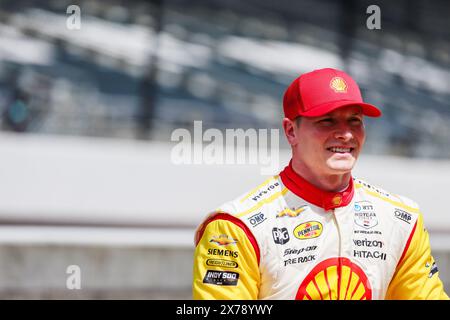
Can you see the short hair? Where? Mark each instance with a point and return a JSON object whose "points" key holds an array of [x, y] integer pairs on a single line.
{"points": [[298, 120]]}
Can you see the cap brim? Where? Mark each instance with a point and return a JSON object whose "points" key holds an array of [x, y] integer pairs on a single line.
{"points": [[367, 109]]}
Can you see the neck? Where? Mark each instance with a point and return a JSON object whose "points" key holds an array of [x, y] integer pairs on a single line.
{"points": [[317, 194], [330, 183]]}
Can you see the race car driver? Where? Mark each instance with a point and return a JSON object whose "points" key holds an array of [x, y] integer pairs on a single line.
{"points": [[314, 231]]}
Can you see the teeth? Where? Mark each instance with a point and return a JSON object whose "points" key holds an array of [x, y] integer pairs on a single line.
{"points": [[341, 150]]}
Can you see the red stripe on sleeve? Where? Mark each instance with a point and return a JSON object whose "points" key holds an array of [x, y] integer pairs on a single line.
{"points": [[234, 220], [407, 244]]}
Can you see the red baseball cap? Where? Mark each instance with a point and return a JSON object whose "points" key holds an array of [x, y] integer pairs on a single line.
{"points": [[321, 91]]}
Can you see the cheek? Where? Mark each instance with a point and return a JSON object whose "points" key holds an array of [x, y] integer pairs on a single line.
{"points": [[360, 136], [314, 145], [311, 142]]}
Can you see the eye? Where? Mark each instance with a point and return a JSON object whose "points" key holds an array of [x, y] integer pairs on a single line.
{"points": [[356, 120], [325, 121]]}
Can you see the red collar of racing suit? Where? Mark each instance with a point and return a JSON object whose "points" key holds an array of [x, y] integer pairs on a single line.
{"points": [[305, 190]]}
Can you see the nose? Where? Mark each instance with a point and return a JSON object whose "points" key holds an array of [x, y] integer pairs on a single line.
{"points": [[343, 133]]}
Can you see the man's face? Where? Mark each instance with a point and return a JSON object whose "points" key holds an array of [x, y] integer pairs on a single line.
{"points": [[329, 144]]}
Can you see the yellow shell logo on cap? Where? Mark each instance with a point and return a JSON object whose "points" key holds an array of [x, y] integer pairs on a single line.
{"points": [[338, 85]]}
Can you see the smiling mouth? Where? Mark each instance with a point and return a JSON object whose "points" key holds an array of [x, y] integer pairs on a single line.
{"points": [[340, 150]]}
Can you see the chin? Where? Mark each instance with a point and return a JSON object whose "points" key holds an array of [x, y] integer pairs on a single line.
{"points": [[341, 167]]}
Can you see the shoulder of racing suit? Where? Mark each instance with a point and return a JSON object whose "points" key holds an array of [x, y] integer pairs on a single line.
{"points": [[227, 254], [248, 205], [255, 202], [400, 208], [401, 212], [416, 275], [384, 195], [249, 210]]}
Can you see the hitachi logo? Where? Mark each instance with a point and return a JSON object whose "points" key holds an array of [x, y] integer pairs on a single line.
{"points": [[369, 254]]}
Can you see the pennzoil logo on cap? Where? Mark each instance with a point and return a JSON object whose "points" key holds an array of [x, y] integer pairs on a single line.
{"points": [[338, 85]]}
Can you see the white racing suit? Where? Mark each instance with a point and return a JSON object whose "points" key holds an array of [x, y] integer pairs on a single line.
{"points": [[287, 239]]}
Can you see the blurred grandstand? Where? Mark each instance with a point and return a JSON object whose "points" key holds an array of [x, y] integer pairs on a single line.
{"points": [[140, 69], [137, 70]]}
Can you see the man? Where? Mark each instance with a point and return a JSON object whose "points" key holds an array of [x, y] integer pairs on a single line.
{"points": [[315, 232]]}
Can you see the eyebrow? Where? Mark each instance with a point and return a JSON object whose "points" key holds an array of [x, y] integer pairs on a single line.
{"points": [[353, 114]]}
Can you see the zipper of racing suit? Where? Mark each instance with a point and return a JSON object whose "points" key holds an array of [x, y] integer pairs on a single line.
{"points": [[339, 266]]}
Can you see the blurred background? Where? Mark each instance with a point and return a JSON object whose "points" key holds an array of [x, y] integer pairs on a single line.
{"points": [[86, 118]]}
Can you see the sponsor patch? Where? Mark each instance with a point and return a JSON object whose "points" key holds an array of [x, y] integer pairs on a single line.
{"points": [[299, 260], [369, 254], [434, 269], [337, 200], [221, 278], [329, 280], [338, 85], [291, 251], [223, 253], [280, 236], [221, 263], [288, 212], [368, 243], [257, 219], [366, 232], [403, 215], [365, 215], [308, 230], [265, 191], [379, 191], [223, 240]]}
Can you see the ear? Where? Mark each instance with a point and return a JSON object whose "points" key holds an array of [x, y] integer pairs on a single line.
{"points": [[289, 131]]}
